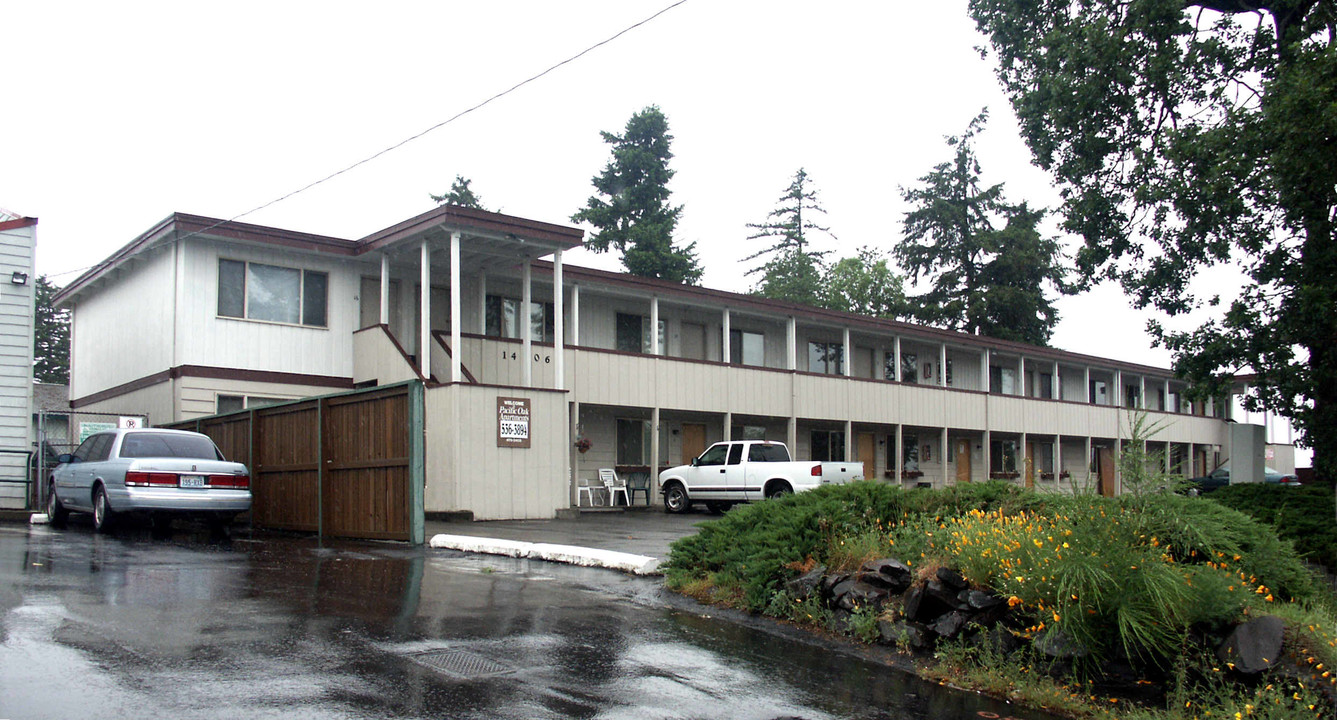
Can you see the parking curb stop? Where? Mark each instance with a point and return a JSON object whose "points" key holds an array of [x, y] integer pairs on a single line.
{"points": [[570, 554]]}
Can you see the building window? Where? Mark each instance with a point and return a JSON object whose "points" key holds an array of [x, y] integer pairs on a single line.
{"points": [[909, 367], [1002, 380], [633, 334], [1003, 456], [503, 318], [948, 370], [909, 453], [746, 348], [633, 442], [1044, 457], [233, 403], [1046, 386], [1098, 392], [828, 445], [273, 294], [749, 432], [1132, 396], [826, 358]]}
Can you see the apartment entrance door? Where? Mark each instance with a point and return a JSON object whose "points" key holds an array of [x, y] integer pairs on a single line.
{"points": [[1105, 471], [963, 461], [693, 441], [865, 447]]}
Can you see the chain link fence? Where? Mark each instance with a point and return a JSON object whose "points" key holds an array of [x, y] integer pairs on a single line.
{"points": [[59, 433]]}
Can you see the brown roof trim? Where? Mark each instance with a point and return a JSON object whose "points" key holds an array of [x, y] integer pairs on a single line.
{"points": [[648, 286], [216, 373], [469, 218], [198, 224], [17, 223]]}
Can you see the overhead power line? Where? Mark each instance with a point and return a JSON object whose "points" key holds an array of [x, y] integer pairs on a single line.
{"points": [[411, 138]]}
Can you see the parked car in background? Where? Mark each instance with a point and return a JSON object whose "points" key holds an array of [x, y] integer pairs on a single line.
{"points": [[157, 473], [747, 470], [1220, 477]]}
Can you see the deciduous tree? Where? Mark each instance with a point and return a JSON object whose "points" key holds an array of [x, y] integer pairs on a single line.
{"points": [[632, 210], [1190, 134], [864, 284]]}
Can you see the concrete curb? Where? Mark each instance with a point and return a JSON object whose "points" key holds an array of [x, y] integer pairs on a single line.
{"points": [[570, 554]]}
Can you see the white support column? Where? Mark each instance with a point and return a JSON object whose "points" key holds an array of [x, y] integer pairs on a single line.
{"points": [[791, 341], [846, 358], [1142, 394], [574, 454], [1021, 376], [456, 347], [1026, 468], [791, 436], [849, 441], [558, 323], [425, 311], [1056, 459], [1169, 447], [899, 457], [986, 377], [527, 327], [987, 448], [575, 315], [1055, 390], [654, 326], [943, 456], [482, 303], [654, 452], [726, 351], [1087, 461], [896, 359], [942, 374], [1086, 379], [728, 426], [1116, 397], [385, 290]]}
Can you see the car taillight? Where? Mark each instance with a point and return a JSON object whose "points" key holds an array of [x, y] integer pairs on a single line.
{"points": [[240, 482], [150, 479], [817, 470]]}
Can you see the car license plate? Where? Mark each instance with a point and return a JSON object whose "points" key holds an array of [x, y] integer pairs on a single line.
{"points": [[192, 481]]}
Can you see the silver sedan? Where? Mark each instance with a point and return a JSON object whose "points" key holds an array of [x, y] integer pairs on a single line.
{"points": [[160, 473]]}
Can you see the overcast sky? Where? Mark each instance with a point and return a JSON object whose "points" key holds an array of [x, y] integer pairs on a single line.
{"points": [[118, 114]]}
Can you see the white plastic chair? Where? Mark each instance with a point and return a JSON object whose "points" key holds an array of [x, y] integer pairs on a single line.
{"points": [[615, 485], [583, 487]]}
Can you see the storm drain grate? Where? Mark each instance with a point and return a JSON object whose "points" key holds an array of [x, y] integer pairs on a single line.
{"points": [[459, 663]]}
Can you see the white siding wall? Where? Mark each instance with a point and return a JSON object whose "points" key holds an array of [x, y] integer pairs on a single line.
{"points": [[204, 338], [122, 330], [16, 356], [155, 401]]}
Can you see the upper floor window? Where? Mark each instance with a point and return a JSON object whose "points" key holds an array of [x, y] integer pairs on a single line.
{"points": [[1003, 380], [504, 317], [746, 348], [271, 293], [1132, 396], [633, 333], [1046, 386], [826, 358], [1098, 392]]}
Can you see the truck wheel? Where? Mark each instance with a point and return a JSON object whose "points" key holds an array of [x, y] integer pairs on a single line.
{"points": [[778, 490], [676, 500]]}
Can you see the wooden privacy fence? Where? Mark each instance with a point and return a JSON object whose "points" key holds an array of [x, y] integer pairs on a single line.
{"points": [[347, 465]]}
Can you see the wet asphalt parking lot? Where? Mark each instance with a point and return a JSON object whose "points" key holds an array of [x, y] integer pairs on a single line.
{"points": [[190, 625]]}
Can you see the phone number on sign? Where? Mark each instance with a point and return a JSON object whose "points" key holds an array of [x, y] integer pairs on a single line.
{"points": [[514, 429]]}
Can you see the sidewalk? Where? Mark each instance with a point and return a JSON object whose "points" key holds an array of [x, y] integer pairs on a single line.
{"points": [[632, 541]]}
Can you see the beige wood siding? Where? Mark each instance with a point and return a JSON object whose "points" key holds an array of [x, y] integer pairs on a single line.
{"points": [[466, 469], [198, 397], [155, 401], [375, 357]]}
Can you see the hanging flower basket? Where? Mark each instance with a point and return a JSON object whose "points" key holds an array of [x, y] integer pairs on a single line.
{"points": [[583, 445]]}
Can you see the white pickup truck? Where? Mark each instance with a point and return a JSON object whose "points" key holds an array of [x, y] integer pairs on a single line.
{"points": [[746, 470]]}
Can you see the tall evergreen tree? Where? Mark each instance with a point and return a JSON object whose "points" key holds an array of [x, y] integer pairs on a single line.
{"points": [[632, 210], [460, 194], [985, 259], [792, 270], [51, 336], [1188, 134]]}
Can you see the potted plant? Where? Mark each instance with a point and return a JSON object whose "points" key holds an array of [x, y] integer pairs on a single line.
{"points": [[583, 444]]}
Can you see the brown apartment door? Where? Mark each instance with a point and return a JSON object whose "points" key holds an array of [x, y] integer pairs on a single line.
{"points": [[868, 454], [693, 441], [693, 341], [963, 461], [1105, 471]]}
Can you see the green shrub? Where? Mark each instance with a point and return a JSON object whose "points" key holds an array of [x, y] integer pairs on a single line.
{"points": [[1303, 515]]}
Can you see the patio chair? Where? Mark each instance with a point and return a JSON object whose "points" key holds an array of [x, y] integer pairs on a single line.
{"points": [[639, 482], [615, 485], [585, 488]]}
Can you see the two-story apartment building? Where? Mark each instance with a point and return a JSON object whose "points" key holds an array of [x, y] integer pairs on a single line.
{"points": [[200, 316]]}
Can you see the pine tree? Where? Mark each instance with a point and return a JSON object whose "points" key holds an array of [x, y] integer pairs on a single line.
{"points": [[51, 337], [792, 269], [460, 194]]}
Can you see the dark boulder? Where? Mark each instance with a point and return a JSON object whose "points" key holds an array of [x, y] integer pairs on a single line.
{"points": [[1253, 646], [979, 599], [951, 624], [803, 586], [944, 594], [861, 594], [889, 573], [924, 603], [832, 580], [907, 635], [952, 579], [1057, 645]]}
